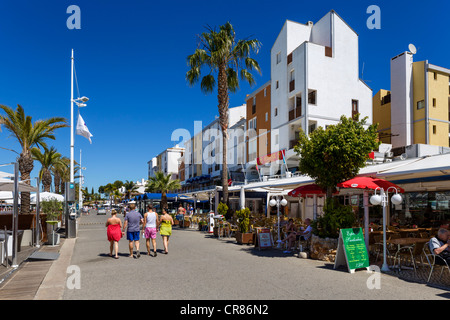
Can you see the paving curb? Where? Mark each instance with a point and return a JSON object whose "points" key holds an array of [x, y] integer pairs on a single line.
{"points": [[54, 283]]}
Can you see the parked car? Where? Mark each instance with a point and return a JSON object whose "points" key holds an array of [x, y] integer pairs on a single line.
{"points": [[101, 211]]}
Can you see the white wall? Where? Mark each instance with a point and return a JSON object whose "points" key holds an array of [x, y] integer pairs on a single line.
{"points": [[401, 99], [335, 78]]}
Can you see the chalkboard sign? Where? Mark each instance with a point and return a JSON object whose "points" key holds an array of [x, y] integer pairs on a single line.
{"points": [[352, 250], [263, 238]]}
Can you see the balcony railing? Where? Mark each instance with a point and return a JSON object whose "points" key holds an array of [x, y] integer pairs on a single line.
{"points": [[295, 113], [291, 85]]}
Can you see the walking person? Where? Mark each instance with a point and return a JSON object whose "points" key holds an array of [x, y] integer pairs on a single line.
{"points": [[165, 229], [113, 233], [132, 223], [151, 223]]}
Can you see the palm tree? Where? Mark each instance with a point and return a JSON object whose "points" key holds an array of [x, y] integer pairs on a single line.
{"points": [[86, 194], [164, 184], [59, 170], [130, 187], [48, 160], [29, 135], [230, 60]]}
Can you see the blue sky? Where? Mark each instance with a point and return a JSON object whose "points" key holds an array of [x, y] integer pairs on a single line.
{"points": [[130, 58]]}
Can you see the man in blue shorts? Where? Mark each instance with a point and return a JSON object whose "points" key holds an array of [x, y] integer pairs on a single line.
{"points": [[133, 219]]}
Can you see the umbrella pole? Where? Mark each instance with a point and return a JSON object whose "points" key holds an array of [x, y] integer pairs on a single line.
{"points": [[366, 218], [15, 224]]}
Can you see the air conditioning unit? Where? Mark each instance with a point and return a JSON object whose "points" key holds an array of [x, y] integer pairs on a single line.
{"points": [[389, 154]]}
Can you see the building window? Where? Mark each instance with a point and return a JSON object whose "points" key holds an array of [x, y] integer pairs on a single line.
{"points": [[277, 85], [267, 116], [265, 92], [289, 58], [312, 97], [278, 57], [252, 123], [254, 105], [420, 104], [355, 109], [435, 75], [434, 129], [434, 102], [252, 150], [276, 112]]}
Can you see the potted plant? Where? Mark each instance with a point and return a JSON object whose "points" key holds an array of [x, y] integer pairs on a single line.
{"points": [[243, 235], [53, 209]]}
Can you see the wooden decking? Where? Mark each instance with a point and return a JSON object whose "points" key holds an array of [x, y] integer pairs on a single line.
{"points": [[23, 283]]}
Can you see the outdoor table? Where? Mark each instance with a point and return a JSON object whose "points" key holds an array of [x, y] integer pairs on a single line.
{"points": [[404, 232], [405, 242]]}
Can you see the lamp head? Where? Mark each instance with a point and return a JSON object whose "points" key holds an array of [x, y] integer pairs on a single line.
{"points": [[84, 99], [396, 199], [375, 199], [273, 202], [283, 202]]}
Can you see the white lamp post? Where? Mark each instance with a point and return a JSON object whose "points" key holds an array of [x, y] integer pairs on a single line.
{"points": [[277, 202], [383, 199]]}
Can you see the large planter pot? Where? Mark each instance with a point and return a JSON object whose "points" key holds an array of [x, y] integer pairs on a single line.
{"points": [[52, 236], [244, 238], [323, 249]]}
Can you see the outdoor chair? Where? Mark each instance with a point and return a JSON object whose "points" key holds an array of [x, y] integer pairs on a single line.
{"points": [[378, 245], [405, 252], [424, 235], [305, 244], [232, 231], [435, 261]]}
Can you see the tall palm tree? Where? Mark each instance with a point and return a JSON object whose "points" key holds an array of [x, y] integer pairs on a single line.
{"points": [[130, 187], [229, 59], [29, 135], [59, 170], [48, 160], [164, 184]]}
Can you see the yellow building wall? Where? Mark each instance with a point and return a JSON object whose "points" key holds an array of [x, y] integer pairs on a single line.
{"points": [[382, 115], [419, 129], [438, 99]]}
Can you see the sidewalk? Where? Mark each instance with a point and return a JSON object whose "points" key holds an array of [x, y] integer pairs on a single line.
{"points": [[39, 279]]}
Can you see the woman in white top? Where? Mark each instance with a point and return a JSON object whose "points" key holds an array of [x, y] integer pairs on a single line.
{"points": [[151, 223]]}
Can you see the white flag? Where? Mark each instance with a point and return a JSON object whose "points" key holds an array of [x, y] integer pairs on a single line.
{"points": [[82, 129]]}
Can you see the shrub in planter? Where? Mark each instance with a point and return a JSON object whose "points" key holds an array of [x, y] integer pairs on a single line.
{"points": [[53, 209], [243, 219], [326, 229], [336, 216]]}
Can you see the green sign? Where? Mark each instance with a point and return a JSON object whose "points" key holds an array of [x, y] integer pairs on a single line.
{"points": [[352, 250]]}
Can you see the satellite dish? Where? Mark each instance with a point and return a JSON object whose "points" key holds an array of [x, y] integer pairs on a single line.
{"points": [[412, 48]]}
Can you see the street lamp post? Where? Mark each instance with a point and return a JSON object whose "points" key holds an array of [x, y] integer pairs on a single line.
{"points": [[383, 199], [277, 202]]}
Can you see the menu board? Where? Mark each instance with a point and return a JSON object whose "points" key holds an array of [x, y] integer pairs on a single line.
{"points": [[352, 250], [263, 238]]}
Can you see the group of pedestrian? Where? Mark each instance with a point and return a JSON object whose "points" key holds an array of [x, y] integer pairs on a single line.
{"points": [[132, 225]]}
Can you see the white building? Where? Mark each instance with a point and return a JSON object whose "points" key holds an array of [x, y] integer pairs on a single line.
{"points": [[166, 161], [203, 156], [314, 81]]}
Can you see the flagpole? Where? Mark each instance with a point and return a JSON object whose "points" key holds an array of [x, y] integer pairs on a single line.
{"points": [[71, 125]]}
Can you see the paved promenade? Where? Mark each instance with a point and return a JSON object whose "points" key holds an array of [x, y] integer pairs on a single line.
{"points": [[198, 267]]}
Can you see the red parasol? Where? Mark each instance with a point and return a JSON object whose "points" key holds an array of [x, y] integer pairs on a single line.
{"points": [[306, 189], [368, 183]]}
